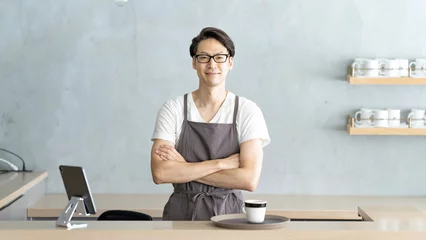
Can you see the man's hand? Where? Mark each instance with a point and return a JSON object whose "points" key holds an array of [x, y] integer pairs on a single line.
{"points": [[232, 161], [167, 152]]}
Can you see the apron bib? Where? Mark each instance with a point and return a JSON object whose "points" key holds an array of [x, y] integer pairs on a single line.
{"points": [[200, 142]]}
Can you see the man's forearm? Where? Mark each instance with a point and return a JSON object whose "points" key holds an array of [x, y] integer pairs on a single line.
{"points": [[168, 165], [181, 172], [238, 178]]}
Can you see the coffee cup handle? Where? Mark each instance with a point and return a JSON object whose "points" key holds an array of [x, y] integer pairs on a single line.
{"points": [[355, 66], [409, 116], [356, 117], [371, 118], [411, 65], [381, 68]]}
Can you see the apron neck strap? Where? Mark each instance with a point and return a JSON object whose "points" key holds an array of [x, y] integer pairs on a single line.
{"points": [[185, 106], [235, 109]]}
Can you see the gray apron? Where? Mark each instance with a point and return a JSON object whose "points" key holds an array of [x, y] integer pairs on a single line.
{"points": [[200, 142]]}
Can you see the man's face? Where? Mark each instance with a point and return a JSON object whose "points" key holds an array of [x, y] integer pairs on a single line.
{"points": [[212, 73]]}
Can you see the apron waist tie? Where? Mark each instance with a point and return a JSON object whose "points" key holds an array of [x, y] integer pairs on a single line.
{"points": [[198, 196]]}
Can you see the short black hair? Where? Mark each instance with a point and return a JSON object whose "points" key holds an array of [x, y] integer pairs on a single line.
{"points": [[212, 32]]}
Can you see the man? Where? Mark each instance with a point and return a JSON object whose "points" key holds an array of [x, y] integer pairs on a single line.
{"points": [[208, 143]]}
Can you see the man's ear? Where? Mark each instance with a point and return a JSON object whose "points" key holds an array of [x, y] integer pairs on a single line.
{"points": [[193, 63], [231, 62]]}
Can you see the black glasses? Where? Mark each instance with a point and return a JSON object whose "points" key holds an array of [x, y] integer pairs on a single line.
{"points": [[204, 58]]}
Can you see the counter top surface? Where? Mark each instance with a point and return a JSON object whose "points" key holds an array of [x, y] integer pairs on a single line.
{"points": [[386, 223], [386, 217], [14, 184], [299, 206]]}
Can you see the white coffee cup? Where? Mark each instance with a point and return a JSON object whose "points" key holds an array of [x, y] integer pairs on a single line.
{"points": [[418, 68], [357, 66], [417, 117], [255, 210], [381, 118], [366, 67], [403, 67], [389, 68], [394, 116], [371, 68], [364, 117]]}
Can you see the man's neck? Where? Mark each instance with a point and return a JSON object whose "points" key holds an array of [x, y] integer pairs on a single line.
{"points": [[209, 97]]}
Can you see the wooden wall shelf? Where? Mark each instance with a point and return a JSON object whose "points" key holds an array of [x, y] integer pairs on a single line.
{"points": [[408, 131], [383, 80]]}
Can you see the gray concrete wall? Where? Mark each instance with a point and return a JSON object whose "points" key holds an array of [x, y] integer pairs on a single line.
{"points": [[81, 83]]}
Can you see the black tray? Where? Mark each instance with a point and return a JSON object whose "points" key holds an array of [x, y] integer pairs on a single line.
{"points": [[239, 221]]}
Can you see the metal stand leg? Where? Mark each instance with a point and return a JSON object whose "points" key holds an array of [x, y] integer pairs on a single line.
{"points": [[64, 220]]}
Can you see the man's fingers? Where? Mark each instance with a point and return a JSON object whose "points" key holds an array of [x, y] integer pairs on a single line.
{"points": [[170, 150], [166, 153], [162, 150], [166, 146], [163, 157], [170, 153]]}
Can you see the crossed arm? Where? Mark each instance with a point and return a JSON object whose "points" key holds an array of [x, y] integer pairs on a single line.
{"points": [[238, 171]]}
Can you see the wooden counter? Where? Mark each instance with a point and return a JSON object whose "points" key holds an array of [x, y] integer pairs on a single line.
{"points": [[395, 218], [293, 206], [13, 185], [18, 191], [387, 223]]}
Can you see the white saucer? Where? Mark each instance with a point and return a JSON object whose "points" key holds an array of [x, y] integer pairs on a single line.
{"points": [[363, 126]]}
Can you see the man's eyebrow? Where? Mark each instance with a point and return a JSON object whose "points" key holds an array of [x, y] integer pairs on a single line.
{"points": [[221, 52]]}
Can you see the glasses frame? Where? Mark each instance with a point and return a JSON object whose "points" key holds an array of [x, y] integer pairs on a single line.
{"points": [[210, 57]]}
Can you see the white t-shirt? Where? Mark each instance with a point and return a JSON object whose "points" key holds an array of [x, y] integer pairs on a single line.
{"points": [[250, 121]]}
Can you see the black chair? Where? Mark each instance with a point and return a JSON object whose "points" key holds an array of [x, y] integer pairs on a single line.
{"points": [[123, 215]]}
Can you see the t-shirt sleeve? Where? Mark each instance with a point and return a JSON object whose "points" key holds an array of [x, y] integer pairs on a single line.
{"points": [[253, 125], [165, 125]]}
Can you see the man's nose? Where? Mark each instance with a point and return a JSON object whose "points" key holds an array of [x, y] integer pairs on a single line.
{"points": [[211, 63]]}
